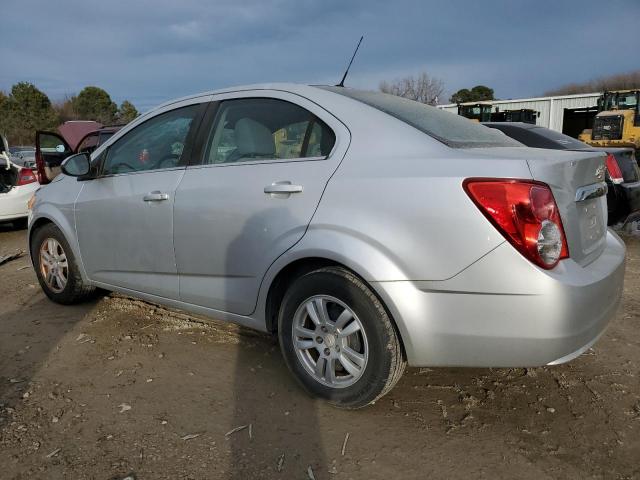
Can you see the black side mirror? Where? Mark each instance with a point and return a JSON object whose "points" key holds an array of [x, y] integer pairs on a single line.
{"points": [[77, 165]]}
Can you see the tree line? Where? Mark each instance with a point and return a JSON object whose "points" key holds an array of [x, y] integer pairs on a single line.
{"points": [[26, 109], [427, 89], [620, 81]]}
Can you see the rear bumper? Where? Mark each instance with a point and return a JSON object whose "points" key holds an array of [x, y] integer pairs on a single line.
{"points": [[502, 311], [13, 205]]}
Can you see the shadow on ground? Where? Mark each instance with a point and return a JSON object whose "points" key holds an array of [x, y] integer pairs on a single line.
{"points": [[29, 335]]}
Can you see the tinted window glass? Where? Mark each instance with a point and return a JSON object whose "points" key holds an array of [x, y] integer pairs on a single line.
{"points": [[452, 130], [540, 137], [53, 143], [266, 129], [627, 163], [565, 141], [157, 143], [104, 136], [527, 136], [89, 144]]}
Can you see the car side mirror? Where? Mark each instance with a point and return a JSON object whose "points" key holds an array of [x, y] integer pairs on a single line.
{"points": [[77, 165]]}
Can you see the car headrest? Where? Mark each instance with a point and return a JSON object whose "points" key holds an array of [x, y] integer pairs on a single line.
{"points": [[253, 138]]}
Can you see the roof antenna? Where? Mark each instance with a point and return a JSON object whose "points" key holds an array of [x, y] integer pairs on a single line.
{"points": [[341, 84]]}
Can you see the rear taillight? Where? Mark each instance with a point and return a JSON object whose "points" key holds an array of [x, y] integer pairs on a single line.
{"points": [[26, 176], [525, 213], [614, 169]]}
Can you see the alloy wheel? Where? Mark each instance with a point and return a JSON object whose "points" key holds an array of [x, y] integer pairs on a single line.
{"points": [[54, 266], [330, 341]]}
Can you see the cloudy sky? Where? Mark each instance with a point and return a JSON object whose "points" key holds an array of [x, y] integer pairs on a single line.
{"points": [[149, 51]]}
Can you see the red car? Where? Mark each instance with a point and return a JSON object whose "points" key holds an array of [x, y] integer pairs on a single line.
{"points": [[73, 137]]}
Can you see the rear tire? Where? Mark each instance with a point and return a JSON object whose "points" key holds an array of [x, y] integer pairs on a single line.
{"points": [[338, 340], [56, 267]]}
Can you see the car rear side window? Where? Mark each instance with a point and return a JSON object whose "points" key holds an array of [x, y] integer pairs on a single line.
{"points": [[155, 144], [252, 129], [452, 130]]}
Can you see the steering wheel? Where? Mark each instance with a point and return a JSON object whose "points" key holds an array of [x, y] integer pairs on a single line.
{"points": [[116, 168], [172, 157]]}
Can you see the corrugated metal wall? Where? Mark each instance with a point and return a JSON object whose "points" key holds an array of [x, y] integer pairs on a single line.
{"points": [[551, 108]]}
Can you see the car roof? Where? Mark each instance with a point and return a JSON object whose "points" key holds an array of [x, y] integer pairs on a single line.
{"points": [[73, 131], [110, 128], [298, 88]]}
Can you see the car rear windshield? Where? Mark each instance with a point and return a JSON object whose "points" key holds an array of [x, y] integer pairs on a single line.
{"points": [[451, 129], [565, 141]]}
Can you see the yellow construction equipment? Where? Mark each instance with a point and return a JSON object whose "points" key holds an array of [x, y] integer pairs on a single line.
{"points": [[480, 112], [485, 112], [617, 123]]}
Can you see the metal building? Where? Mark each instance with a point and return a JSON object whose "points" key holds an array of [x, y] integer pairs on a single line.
{"points": [[568, 114]]}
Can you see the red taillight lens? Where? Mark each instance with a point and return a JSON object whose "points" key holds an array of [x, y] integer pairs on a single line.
{"points": [[526, 213], [614, 169], [26, 176]]}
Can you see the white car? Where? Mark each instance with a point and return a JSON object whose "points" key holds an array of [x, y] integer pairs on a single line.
{"points": [[17, 186]]}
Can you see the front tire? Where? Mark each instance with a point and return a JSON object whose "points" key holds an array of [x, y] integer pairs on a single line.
{"points": [[56, 267], [338, 340]]}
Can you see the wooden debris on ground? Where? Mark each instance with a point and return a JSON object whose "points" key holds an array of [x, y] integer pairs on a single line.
{"points": [[11, 256]]}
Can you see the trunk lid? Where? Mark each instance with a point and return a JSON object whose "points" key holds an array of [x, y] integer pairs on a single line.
{"points": [[572, 176]]}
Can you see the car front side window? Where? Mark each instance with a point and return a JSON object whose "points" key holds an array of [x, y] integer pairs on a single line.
{"points": [[256, 129], [156, 144]]}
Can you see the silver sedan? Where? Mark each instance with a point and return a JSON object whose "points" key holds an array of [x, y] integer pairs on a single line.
{"points": [[367, 231]]}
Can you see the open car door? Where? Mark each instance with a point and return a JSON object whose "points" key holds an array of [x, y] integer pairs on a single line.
{"points": [[51, 150]]}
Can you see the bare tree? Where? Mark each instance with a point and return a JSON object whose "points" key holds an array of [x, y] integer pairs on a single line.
{"points": [[423, 89], [65, 109], [621, 81]]}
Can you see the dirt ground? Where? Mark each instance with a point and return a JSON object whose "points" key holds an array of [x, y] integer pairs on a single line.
{"points": [[118, 387]]}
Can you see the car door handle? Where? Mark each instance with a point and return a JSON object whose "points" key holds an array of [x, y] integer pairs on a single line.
{"points": [[155, 196], [282, 188]]}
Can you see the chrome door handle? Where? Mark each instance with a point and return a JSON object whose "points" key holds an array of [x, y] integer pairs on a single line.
{"points": [[282, 188], [155, 196]]}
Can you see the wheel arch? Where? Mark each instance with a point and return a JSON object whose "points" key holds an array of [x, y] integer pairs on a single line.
{"points": [[300, 266], [35, 226], [69, 234], [283, 279]]}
